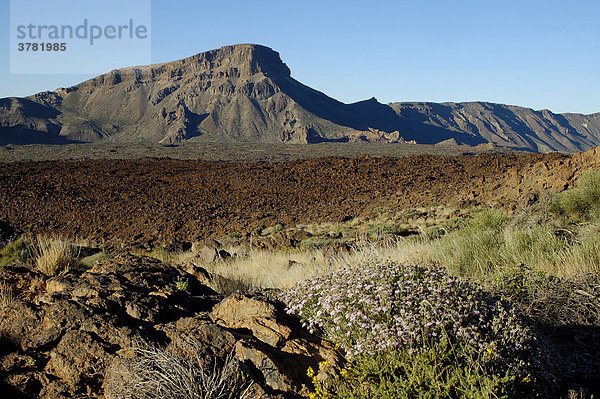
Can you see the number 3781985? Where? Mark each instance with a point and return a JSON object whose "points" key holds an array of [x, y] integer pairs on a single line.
{"points": [[42, 46]]}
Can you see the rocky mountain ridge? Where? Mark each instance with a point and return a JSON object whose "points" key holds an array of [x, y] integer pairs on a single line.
{"points": [[502, 125], [245, 93]]}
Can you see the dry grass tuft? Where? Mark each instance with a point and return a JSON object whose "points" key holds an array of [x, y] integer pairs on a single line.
{"points": [[160, 373], [268, 269], [53, 255], [573, 301], [401, 250], [260, 269], [6, 295]]}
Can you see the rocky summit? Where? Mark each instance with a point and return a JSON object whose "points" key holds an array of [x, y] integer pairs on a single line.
{"points": [[245, 93]]}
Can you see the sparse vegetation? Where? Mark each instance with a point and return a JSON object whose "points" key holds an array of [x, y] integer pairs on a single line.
{"points": [[92, 260], [382, 209], [162, 373], [386, 229], [474, 303], [267, 269], [473, 250], [433, 370], [161, 254], [581, 204], [53, 255], [544, 259], [10, 253], [273, 229], [182, 284], [490, 245], [6, 295], [232, 236], [315, 242]]}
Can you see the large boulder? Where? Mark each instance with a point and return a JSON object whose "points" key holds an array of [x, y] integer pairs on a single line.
{"points": [[240, 312], [209, 252], [273, 344]]}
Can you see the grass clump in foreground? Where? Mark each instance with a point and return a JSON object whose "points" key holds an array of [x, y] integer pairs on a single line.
{"points": [[491, 245], [6, 295], [474, 249], [411, 331], [163, 373], [53, 255], [582, 203]]}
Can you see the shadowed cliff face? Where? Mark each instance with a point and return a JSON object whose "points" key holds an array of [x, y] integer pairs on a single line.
{"points": [[25, 121], [503, 125], [245, 93]]}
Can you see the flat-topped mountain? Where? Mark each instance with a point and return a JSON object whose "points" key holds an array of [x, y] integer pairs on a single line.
{"points": [[245, 93]]}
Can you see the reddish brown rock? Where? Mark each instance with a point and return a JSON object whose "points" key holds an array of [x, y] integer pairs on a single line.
{"points": [[77, 337], [242, 312]]}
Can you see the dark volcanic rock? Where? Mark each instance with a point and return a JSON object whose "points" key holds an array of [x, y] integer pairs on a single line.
{"points": [[63, 336], [133, 200], [6, 231]]}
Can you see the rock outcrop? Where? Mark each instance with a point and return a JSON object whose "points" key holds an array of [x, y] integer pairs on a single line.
{"points": [[70, 335]]}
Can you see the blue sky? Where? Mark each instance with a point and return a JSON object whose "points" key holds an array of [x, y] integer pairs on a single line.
{"points": [[538, 54]]}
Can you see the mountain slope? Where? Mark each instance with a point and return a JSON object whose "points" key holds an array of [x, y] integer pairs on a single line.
{"points": [[245, 93], [236, 93], [503, 125]]}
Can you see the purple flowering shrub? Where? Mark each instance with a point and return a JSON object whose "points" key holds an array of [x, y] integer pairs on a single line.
{"points": [[394, 306]]}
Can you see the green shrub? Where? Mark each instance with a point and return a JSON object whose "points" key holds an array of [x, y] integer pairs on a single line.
{"points": [[475, 249], [453, 224], [11, 252], [233, 236], [410, 214], [582, 203], [434, 232], [182, 284], [162, 254], [273, 229], [315, 242], [90, 261], [435, 370], [382, 209], [397, 310]]}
